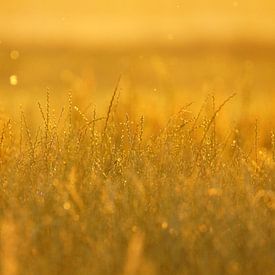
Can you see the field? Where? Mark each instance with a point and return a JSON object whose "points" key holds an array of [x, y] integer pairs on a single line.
{"points": [[148, 161]]}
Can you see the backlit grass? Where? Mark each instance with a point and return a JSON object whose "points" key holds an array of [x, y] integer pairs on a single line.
{"points": [[115, 193]]}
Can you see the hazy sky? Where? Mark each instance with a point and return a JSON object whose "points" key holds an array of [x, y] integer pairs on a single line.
{"points": [[133, 21]]}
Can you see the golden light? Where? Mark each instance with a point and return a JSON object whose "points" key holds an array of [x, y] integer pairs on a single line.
{"points": [[13, 80]]}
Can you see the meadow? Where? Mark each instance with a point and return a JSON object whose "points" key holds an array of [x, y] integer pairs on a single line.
{"points": [[140, 162]]}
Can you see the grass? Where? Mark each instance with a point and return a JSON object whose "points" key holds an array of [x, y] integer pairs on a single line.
{"points": [[86, 193]]}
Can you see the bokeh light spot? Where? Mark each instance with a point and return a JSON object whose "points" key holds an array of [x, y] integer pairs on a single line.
{"points": [[13, 80], [67, 206], [14, 55]]}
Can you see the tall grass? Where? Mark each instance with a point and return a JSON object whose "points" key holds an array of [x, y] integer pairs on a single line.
{"points": [[86, 193]]}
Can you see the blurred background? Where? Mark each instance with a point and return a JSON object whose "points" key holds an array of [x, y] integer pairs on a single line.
{"points": [[169, 52], [136, 22]]}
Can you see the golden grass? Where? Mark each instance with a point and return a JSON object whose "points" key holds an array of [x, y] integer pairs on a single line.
{"points": [[85, 193]]}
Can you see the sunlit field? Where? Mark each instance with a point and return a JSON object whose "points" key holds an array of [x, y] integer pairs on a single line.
{"points": [[137, 155]]}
